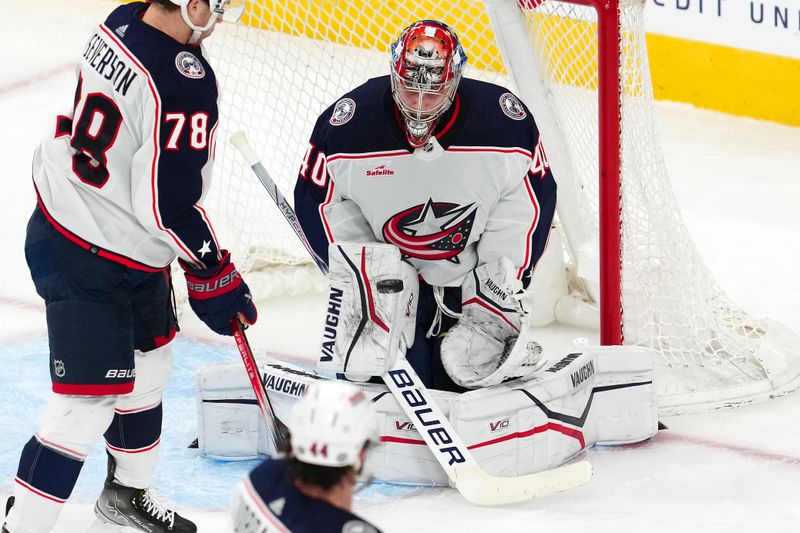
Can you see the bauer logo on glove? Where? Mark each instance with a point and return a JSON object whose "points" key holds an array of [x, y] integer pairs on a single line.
{"points": [[218, 293]]}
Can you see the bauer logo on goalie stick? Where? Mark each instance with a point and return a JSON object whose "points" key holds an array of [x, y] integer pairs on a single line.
{"points": [[424, 414], [190, 66], [343, 111], [512, 107]]}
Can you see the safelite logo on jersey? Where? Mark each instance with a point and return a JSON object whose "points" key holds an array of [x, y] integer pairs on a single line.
{"points": [[380, 170]]}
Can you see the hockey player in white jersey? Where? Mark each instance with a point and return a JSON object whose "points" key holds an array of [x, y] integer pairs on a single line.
{"points": [[311, 489], [452, 176], [120, 182]]}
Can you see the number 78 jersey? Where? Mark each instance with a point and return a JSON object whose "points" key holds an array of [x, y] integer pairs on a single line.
{"points": [[125, 172]]}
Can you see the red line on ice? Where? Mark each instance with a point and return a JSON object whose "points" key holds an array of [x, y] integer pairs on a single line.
{"points": [[36, 78]]}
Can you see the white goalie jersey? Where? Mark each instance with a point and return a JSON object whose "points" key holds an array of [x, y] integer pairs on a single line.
{"points": [[481, 189]]}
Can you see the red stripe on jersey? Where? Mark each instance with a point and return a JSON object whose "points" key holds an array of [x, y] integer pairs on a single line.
{"points": [[534, 224], [105, 254], [328, 198], [372, 155], [497, 149], [205, 218]]}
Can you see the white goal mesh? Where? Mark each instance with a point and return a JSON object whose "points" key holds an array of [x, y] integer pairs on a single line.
{"points": [[289, 59]]}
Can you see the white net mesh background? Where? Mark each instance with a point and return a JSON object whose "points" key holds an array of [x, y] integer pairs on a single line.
{"points": [[289, 60]]}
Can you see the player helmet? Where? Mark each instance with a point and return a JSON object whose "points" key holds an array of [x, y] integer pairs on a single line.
{"points": [[331, 424], [227, 10], [427, 62]]}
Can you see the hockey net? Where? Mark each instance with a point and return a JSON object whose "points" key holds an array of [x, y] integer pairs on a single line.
{"points": [[290, 59]]}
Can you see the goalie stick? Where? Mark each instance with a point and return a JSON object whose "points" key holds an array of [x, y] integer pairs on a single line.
{"points": [[277, 431], [453, 455]]}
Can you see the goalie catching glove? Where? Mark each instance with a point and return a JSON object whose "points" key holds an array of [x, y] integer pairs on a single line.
{"points": [[218, 293], [372, 309], [490, 342]]}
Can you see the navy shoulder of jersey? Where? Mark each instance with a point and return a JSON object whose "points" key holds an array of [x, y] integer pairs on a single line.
{"points": [[298, 512], [357, 122], [172, 66], [490, 115]]}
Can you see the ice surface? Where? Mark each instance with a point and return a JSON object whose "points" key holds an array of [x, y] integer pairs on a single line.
{"points": [[738, 184]]}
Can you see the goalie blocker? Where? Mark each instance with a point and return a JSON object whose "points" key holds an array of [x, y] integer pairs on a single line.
{"points": [[582, 397]]}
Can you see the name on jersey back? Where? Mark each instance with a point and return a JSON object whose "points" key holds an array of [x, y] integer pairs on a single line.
{"points": [[103, 58]]}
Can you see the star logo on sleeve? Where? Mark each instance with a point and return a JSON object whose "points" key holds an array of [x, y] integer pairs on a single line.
{"points": [[206, 249]]}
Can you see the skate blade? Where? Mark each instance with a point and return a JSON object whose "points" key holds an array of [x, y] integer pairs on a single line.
{"points": [[104, 525]]}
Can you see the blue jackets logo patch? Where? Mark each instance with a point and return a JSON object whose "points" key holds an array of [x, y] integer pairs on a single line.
{"points": [[343, 111], [512, 107], [431, 231], [189, 66]]}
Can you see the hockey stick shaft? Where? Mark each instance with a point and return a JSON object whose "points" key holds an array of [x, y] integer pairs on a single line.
{"points": [[419, 405], [275, 429], [239, 140]]}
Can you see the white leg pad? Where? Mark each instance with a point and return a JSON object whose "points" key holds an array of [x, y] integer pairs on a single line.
{"points": [[578, 398]]}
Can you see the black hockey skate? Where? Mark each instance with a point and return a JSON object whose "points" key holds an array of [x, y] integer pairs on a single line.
{"points": [[125, 509], [9, 505]]}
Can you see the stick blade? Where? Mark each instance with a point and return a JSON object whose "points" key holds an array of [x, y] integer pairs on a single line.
{"points": [[492, 490]]}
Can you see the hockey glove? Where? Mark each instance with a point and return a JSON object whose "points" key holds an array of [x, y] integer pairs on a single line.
{"points": [[491, 320], [219, 293]]}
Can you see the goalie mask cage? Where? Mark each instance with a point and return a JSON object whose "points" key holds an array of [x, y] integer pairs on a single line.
{"points": [[582, 68]]}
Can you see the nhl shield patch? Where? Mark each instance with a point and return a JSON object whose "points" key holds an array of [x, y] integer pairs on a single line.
{"points": [[189, 65], [512, 107], [343, 111]]}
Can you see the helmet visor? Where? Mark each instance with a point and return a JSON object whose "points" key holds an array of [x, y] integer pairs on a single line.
{"points": [[422, 102]]}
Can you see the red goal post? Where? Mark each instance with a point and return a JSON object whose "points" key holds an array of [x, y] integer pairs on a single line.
{"points": [[582, 67]]}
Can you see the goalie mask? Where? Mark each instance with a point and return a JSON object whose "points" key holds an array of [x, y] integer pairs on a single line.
{"points": [[427, 62], [225, 10], [331, 424]]}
